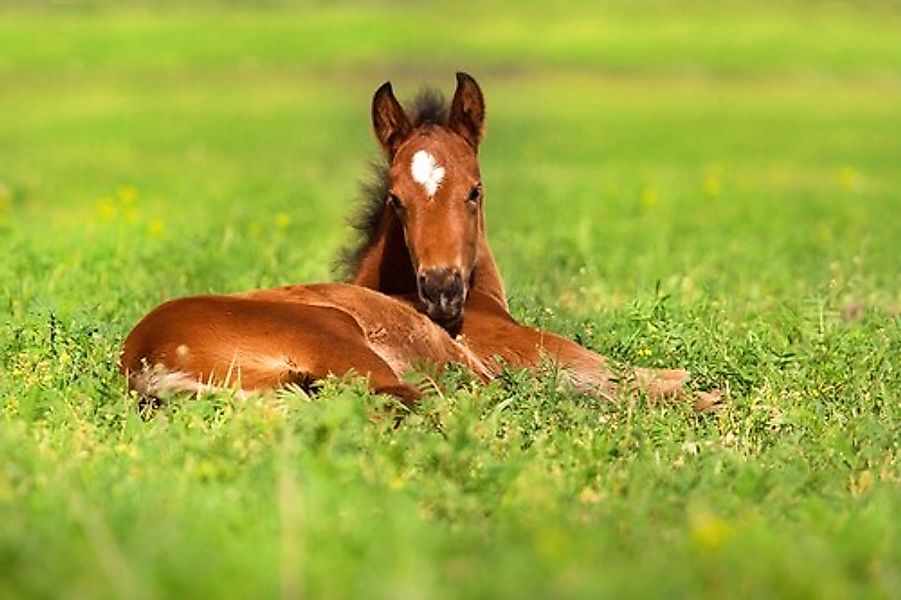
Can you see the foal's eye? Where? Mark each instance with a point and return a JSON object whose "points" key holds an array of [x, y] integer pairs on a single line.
{"points": [[475, 194], [394, 202]]}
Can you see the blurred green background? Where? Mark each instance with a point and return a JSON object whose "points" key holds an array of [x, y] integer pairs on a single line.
{"points": [[753, 135], [704, 184]]}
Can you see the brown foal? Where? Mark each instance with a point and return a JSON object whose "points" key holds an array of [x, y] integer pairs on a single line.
{"points": [[423, 250]]}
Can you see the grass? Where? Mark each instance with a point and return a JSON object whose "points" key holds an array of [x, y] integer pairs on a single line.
{"points": [[713, 187]]}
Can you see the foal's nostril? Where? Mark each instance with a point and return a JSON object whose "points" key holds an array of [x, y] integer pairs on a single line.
{"points": [[457, 283]]}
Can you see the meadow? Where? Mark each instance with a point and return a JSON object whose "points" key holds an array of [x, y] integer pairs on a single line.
{"points": [[707, 185]]}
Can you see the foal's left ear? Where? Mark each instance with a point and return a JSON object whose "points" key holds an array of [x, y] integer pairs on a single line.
{"points": [[467, 111]]}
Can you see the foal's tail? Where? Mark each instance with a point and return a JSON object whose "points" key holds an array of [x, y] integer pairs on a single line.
{"points": [[158, 381]]}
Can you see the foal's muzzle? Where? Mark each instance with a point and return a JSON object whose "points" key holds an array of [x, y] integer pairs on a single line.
{"points": [[443, 293]]}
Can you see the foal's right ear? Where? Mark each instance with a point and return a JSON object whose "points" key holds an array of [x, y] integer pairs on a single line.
{"points": [[390, 122]]}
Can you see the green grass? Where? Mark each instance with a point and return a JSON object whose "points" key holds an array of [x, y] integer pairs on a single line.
{"points": [[713, 186]]}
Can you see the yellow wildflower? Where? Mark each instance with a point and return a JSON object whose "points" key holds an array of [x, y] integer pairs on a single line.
{"points": [[156, 228], [127, 194], [282, 220], [709, 532], [848, 177], [713, 185], [106, 208], [649, 196]]}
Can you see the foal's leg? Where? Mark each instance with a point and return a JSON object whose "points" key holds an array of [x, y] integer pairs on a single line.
{"points": [[309, 356], [264, 372], [382, 378], [589, 373], [219, 342]]}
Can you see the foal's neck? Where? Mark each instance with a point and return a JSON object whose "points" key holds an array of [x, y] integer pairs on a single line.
{"points": [[486, 278], [386, 265]]}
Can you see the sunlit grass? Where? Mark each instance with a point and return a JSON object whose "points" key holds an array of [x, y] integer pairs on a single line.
{"points": [[713, 187]]}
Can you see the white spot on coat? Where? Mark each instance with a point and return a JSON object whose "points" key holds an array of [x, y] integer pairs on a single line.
{"points": [[426, 171]]}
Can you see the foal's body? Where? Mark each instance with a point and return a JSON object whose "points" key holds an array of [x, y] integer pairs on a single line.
{"points": [[293, 335]]}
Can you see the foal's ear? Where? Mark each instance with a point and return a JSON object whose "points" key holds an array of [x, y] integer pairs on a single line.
{"points": [[390, 122], [467, 112]]}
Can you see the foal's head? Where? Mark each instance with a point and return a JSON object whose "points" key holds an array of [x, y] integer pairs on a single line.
{"points": [[435, 189]]}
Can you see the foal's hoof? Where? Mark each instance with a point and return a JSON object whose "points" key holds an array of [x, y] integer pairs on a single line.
{"points": [[662, 384], [405, 393], [671, 385], [706, 402]]}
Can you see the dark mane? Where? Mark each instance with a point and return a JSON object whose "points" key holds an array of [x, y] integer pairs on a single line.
{"points": [[428, 108], [364, 221]]}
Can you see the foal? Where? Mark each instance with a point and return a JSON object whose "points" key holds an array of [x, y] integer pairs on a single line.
{"points": [[423, 239], [425, 246]]}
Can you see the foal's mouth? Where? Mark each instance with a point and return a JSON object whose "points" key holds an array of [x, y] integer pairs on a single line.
{"points": [[444, 311], [442, 292]]}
